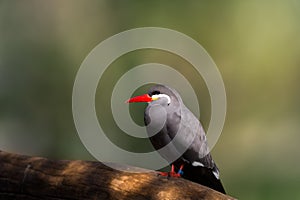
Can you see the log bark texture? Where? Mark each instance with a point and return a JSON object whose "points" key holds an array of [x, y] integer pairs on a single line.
{"points": [[32, 178]]}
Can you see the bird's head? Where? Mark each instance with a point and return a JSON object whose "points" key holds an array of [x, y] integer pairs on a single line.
{"points": [[158, 94], [156, 97]]}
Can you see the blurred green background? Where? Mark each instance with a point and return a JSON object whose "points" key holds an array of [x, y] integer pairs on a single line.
{"points": [[255, 44]]}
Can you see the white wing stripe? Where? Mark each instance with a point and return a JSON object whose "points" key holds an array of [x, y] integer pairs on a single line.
{"points": [[197, 164]]}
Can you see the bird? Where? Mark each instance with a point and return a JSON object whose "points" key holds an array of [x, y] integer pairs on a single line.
{"points": [[165, 116]]}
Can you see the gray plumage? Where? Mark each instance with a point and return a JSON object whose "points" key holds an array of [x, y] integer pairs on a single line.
{"points": [[190, 142]]}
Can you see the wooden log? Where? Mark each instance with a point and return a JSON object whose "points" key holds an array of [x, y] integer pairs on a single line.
{"points": [[32, 178]]}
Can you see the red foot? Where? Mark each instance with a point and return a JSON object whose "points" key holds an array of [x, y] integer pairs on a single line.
{"points": [[169, 174], [172, 173]]}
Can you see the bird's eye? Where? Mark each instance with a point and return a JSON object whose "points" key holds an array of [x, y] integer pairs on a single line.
{"points": [[155, 92]]}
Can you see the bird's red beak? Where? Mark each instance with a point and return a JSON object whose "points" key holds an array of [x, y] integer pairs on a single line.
{"points": [[142, 98]]}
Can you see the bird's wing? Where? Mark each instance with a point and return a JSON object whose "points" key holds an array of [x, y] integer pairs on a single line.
{"points": [[193, 135], [200, 167]]}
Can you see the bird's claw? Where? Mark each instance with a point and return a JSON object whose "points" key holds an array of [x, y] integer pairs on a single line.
{"points": [[172, 173], [169, 174]]}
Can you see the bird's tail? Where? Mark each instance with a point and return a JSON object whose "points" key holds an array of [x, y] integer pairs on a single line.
{"points": [[204, 176]]}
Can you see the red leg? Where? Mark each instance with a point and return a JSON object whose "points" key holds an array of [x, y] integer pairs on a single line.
{"points": [[168, 174]]}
